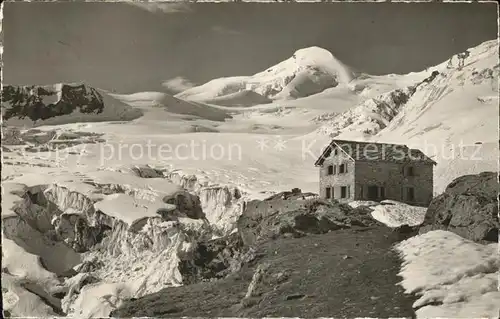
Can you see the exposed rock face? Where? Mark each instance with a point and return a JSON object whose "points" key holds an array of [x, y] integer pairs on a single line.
{"points": [[62, 103], [468, 207], [34, 140], [41, 103]]}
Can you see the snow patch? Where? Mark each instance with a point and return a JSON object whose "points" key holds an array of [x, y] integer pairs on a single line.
{"points": [[395, 214], [454, 277]]}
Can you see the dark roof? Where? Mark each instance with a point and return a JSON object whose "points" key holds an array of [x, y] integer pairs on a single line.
{"points": [[375, 152]]}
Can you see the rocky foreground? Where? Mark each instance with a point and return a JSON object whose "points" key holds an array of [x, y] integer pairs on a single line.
{"points": [[297, 256], [78, 247], [291, 256], [346, 273]]}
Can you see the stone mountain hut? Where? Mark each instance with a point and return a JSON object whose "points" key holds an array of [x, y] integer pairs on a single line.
{"points": [[350, 170]]}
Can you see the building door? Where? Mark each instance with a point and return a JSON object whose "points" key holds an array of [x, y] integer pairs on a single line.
{"points": [[372, 193]]}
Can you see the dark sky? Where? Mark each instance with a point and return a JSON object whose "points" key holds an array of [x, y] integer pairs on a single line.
{"points": [[128, 48]]}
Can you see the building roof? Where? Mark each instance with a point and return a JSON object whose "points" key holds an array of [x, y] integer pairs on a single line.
{"points": [[375, 152]]}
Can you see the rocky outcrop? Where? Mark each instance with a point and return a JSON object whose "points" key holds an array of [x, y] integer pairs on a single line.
{"points": [[468, 207], [275, 217], [61, 103], [34, 140], [41, 103], [294, 194]]}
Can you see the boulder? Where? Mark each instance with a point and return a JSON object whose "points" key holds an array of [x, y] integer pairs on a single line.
{"points": [[147, 172], [468, 207], [276, 217]]}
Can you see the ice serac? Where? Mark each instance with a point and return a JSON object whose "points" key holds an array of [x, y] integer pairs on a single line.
{"points": [[61, 103], [369, 117], [222, 205], [63, 227]]}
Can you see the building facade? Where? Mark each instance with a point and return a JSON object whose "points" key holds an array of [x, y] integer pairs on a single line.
{"points": [[350, 170]]}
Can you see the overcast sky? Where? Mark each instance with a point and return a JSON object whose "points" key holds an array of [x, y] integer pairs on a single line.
{"points": [[130, 48]]}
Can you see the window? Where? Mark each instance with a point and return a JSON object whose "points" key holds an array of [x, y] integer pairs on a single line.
{"points": [[336, 152], [410, 194], [330, 170], [410, 171], [342, 169], [343, 192], [372, 192], [382, 192], [328, 192]]}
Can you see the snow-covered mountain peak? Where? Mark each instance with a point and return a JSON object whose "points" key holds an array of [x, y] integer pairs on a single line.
{"points": [[308, 71], [312, 58], [312, 52]]}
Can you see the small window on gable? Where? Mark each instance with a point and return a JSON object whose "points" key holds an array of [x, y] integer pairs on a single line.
{"points": [[409, 171], [330, 169], [336, 152], [342, 169]]}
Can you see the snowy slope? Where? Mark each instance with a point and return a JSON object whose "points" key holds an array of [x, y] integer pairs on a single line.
{"points": [[449, 116], [307, 72], [453, 277], [172, 105]]}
